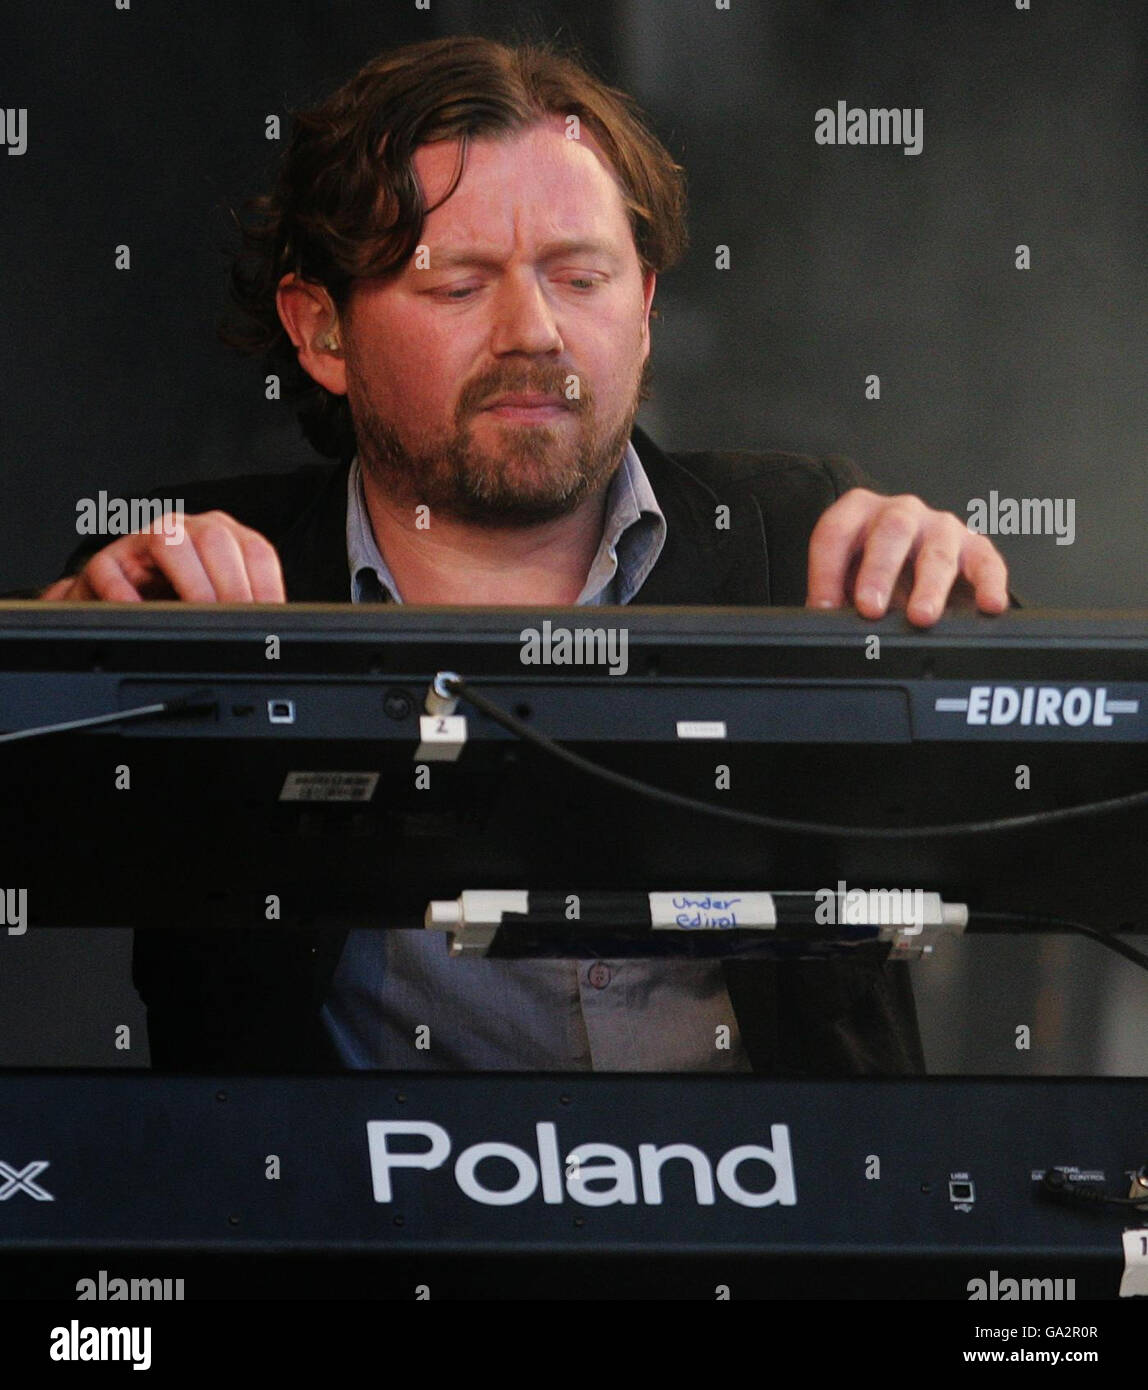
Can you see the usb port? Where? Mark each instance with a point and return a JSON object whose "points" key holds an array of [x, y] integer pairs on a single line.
{"points": [[281, 711], [962, 1192]]}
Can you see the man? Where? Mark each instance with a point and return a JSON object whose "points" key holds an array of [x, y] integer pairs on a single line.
{"points": [[456, 270]]}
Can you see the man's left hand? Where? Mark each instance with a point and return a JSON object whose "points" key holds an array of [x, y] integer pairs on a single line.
{"points": [[875, 550]]}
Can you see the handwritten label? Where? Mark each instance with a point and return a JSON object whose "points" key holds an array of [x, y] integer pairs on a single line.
{"points": [[711, 911]]}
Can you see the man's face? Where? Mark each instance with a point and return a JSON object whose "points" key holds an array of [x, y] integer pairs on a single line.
{"points": [[533, 279]]}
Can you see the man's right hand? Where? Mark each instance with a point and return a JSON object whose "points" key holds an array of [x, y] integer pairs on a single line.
{"points": [[216, 560]]}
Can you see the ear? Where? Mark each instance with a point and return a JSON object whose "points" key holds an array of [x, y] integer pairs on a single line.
{"points": [[649, 284], [308, 314]]}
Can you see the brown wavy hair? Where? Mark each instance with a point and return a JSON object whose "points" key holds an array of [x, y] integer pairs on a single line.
{"points": [[346, 204]]}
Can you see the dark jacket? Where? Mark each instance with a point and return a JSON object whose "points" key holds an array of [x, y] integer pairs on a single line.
{"points": [[249, 1000]]}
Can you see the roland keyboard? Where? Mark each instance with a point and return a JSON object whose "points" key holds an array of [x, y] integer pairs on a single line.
{"points": [[508, 1186]]}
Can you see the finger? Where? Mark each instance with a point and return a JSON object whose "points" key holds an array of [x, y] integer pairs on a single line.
{"points": [[891, 538], [902, 589], [961, 598], [264, 572], [833, 547], [984, 567], [59, 590], [106, 577], [148, 553], [222, 558], [935, 569]]}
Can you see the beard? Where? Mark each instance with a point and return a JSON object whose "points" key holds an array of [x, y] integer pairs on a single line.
{"points": [[535, 473]]}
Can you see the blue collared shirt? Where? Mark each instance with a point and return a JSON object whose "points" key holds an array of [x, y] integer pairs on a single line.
{"points": [[632, 540], [399, 1000]]}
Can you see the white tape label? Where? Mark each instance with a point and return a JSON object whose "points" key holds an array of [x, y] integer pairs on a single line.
{"points": [[441, 737], [701, 728], [329, 786], [1134, 1282], [711, 911]]}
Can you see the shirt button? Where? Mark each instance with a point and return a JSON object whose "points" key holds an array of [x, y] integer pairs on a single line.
{"points": [[599, 974]]}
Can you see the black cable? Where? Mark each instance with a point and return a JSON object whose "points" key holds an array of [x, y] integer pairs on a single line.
{"points": [[457, 685], [1034, 922], [196, 702], [1059, 1186]]}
